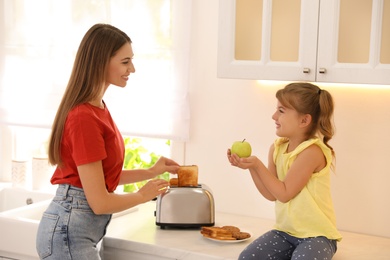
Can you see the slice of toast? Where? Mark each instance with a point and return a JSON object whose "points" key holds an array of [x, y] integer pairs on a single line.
{"points": [[224, 233], [217, 233]]}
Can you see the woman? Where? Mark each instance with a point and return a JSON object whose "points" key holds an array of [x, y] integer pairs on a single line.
{"points": [[88, 150], [297, 178]]}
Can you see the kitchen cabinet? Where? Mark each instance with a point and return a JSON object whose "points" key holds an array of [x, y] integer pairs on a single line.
{"points": [[345, 41]]}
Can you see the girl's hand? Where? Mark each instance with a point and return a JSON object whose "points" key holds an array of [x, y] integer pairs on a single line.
{"points": [[153, 188], [164, 165], [243, 163]]}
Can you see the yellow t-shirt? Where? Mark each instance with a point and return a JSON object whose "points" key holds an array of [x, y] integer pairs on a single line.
{"points": [[310, 213]]}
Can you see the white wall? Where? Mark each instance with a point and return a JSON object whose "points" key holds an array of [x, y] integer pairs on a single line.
{"points": [[226, 110], [5, 153]]}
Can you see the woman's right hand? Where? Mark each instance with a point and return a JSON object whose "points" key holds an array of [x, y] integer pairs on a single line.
{"points": [[153, 188]]}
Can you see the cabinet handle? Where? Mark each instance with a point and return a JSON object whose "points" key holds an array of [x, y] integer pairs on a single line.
{"points": [[322, 70], [306, 70]]}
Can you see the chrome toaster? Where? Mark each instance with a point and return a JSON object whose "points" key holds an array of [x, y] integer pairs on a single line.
{"points": [[185, 207]]}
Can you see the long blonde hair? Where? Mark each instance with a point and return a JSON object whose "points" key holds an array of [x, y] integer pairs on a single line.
{"points": [[307, 98], [86, 81]]}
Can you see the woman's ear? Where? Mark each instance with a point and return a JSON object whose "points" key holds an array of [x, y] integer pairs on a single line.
{"points": [[305, 120]]}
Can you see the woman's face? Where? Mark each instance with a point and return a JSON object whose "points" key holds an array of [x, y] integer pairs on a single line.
{"points": [[120, 66]]}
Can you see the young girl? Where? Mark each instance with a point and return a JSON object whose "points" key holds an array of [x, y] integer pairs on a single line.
{"points": [[297, 178], [88, 150]]}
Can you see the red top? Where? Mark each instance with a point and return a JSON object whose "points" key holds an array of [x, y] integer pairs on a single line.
{"points": [[90, 135]]}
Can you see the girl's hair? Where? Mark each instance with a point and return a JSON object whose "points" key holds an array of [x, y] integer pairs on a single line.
{"points": [[307, 98], [87, 80]]}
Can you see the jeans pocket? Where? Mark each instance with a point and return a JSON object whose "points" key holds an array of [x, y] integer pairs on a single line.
{"points": [[45, 235]]}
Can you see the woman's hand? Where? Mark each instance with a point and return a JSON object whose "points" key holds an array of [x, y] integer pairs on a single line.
{"points": [[164, 165], [243, 163], [153, 188]]}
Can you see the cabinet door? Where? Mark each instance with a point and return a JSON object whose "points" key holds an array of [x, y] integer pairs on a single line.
{"points": [[268, 39], [354, 41]]}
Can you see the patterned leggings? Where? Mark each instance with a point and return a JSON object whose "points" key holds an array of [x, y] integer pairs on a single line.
{"points": [[279, 245]]}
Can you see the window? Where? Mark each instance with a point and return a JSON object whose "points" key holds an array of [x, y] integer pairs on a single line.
{"points": [[39, 41], [141, 153]]}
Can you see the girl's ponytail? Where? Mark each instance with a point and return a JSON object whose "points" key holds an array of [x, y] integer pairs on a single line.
{"points": [[325, 120]]}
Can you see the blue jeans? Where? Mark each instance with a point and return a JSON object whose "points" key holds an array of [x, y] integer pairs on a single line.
{"points": [[69, 229], [279, 245]]}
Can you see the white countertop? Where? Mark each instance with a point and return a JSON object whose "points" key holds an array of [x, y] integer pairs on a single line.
{"points": [[138, 232]]}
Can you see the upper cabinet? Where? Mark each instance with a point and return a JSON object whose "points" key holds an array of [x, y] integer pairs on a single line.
{"points": [[344, 41]]}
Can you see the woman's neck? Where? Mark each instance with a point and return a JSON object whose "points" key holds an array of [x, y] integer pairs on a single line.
{"points": [[97, 103]]}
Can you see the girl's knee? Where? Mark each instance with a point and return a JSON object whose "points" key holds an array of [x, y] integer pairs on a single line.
{"points": [[319, 248]]}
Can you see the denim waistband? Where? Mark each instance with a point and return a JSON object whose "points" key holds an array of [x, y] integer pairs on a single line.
{"points": [[65, 190]]}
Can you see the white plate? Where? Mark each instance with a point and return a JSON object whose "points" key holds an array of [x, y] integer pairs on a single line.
{"points": [[229, 241]]}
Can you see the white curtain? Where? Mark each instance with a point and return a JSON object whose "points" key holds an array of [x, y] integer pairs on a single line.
{"points": [[38, 42]]}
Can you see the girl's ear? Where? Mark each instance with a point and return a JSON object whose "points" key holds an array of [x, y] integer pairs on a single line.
{"points": [[305, 120]]}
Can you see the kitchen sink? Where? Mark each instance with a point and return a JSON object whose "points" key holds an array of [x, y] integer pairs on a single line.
{"points": [[20, 213], [19, 228], [12, 197], [19, 221]]}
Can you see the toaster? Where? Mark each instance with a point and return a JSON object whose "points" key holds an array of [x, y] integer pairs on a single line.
{"points": [[185, 207]]}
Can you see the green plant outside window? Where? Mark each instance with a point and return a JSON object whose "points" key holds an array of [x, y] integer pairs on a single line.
{"points": [[138, 157]]}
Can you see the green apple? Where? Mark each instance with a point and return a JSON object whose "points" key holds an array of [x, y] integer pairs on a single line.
{"points": [[241, 148]]}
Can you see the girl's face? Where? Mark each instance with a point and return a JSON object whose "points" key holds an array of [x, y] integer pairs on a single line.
{"points": [[287, 120], [120, 66]]}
